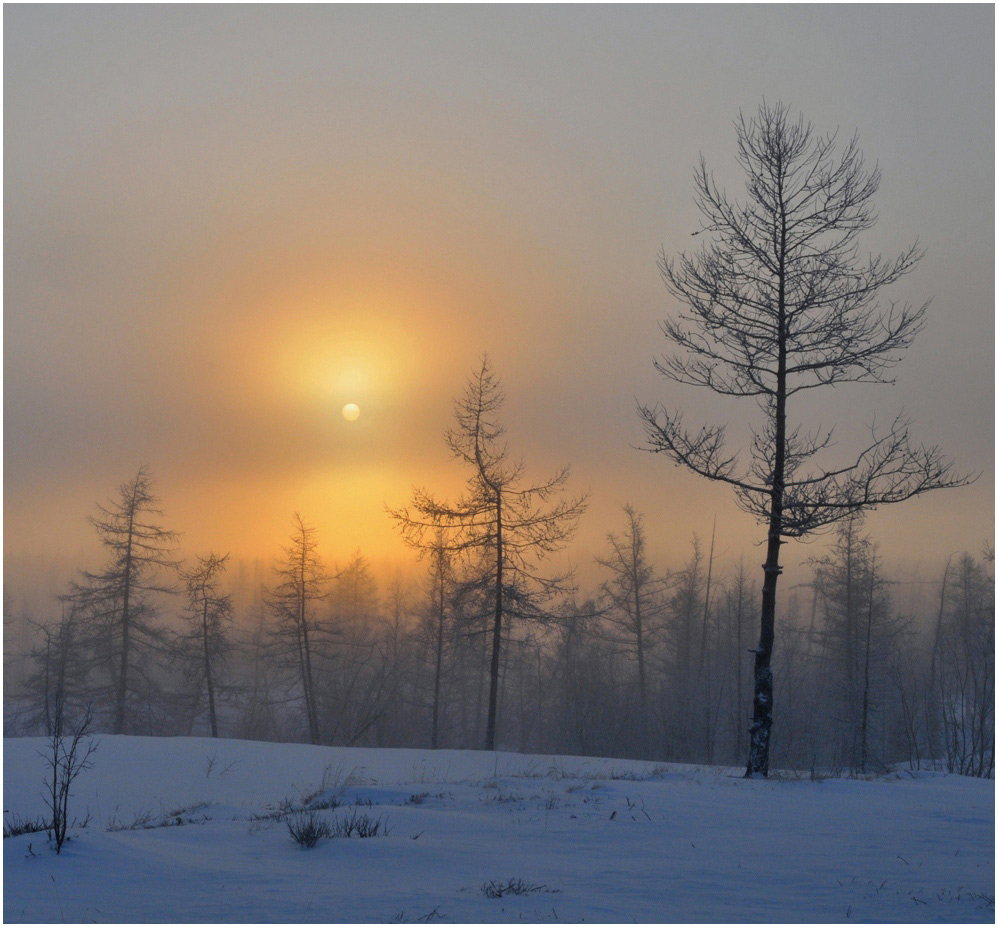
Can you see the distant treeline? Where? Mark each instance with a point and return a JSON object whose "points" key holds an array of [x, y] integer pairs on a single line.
{"points": [[655, 663]]}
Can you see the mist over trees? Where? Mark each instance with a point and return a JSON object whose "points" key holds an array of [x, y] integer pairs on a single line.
{"points": [[653, 662], [491, 646]]}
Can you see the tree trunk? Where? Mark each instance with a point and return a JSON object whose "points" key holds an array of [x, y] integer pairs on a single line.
{"points": [[762, 703], [705, 654], [490, 728], [852, 642], [640, 641], [739, 698], [122, 692], [930, 695], [48, 710], [864, 724], [207, 667], [440, 656], [306, 654]]}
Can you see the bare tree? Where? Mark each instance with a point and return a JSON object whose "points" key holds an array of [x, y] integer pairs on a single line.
{"points": [[779, 301], [680, 662], [855, 638], [204, 642], [258, 721], [68, 755], [55, 683], [516, 524], [117, 604], [355, 691], [302, 583], [735, 613], [636, 601], [965, 681], [440, 582]]}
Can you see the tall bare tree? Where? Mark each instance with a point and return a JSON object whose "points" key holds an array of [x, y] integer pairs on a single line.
{"points": [[735, 616], [57, 672], [636, 600], [204, 642], [965, 681], [117, 604], [682, 645], [856, 636], [302, 582], [778, 301], [515, 522], [441, 579]]}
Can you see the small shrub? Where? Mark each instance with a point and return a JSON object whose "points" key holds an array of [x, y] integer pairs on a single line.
{"points": [[627, 775], [307, 829], [143, 820], [18, 825], [359, 825], [318, 803], [183, 810], [494, 889], [286, 806], [503, 798], [67, 756], [146, 820]]}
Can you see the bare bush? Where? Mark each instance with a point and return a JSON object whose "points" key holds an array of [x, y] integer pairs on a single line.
{"points": [[360, 825], [67, 757], [18, 825], [495, 889], [307, 828]]}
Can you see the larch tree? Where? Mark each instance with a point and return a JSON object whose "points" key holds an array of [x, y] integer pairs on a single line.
{"points": [[513, 522], [736, 614], [681, 651], [117, 604], [965, 680], [440, 582], [354, 593], [302, 582], [57, 672], [352, 691], [778, 301], [204, 642], [635, 599], [857, 633]]}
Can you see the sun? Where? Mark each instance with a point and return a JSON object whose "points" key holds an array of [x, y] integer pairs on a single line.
{"points": [[351, 411]]}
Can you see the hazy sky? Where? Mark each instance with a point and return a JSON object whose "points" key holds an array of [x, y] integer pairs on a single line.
{"points": [[223, 223]]}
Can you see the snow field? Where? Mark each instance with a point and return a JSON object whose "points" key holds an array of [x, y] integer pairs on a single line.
{"points": [[485, 837]]}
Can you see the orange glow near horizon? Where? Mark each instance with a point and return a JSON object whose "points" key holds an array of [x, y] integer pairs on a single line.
{"points": [[206, 263]]}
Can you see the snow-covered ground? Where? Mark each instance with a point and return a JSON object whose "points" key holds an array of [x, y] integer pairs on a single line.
{"points": [[580, 839]]}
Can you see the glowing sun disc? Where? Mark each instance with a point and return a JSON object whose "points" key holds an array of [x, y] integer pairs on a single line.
{"points": [[351, 411]]}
